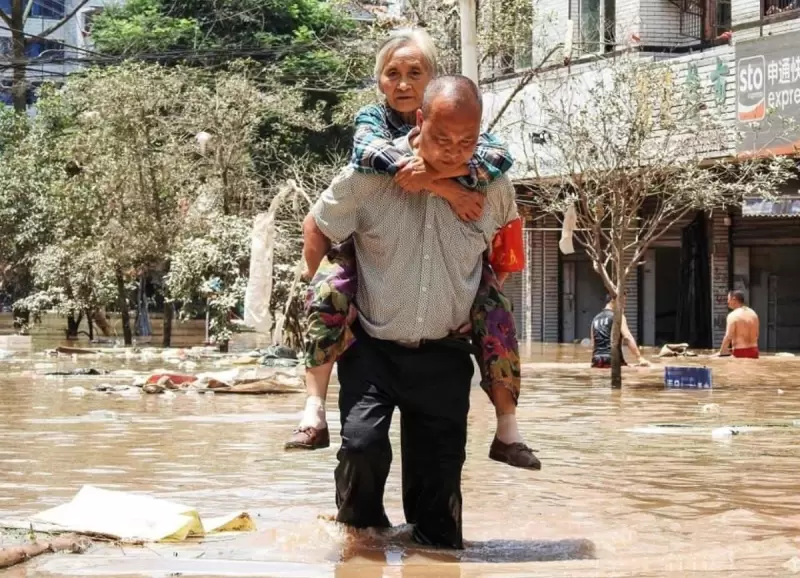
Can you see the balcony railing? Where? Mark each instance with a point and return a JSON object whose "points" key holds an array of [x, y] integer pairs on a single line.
{"points": [[774, 7]]}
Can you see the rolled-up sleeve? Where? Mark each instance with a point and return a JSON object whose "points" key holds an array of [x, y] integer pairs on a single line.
{"points": [[502, 200], [336, 210]]}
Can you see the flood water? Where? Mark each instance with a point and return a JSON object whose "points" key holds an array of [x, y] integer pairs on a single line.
{"points": [[615, 497]]}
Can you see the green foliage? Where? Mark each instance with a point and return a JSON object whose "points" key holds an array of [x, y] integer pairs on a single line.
{"points": [[142, 27], [308, 41], [211, 270]]}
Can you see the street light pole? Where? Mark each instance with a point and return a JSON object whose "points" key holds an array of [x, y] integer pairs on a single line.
{"points": [[469, 40]]}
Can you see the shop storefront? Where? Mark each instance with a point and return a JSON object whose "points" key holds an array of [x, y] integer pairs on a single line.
{"points": [[766, 266]]}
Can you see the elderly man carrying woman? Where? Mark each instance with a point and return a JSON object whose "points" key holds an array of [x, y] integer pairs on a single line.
{"points": [[405, 64]]}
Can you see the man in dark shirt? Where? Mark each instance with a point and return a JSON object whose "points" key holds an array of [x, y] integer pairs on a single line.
{"points": [[600, 336]]}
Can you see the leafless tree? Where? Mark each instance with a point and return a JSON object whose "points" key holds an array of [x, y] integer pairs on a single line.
{"points": [[632, 149]]}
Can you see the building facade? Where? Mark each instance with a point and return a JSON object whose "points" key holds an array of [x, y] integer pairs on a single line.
{"points": [[56, 55], [744, 56]]}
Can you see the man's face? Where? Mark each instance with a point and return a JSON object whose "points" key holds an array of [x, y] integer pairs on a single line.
{"points": [[732, 303], [448, 134]]}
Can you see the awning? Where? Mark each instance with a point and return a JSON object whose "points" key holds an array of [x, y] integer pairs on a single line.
{"points": [[780, 207]]}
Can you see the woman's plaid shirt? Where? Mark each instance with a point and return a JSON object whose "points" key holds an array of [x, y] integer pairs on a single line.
{"points": [[377, 125]]}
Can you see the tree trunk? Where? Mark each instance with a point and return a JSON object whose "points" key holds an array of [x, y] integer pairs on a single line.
{"points": [[19, 89], [91, 325], [169, 311], [72, 326], [99, 318], [124, 312], [616, 339]]}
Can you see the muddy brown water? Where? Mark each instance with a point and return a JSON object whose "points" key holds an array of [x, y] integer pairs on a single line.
{"points": [[615, 497]]}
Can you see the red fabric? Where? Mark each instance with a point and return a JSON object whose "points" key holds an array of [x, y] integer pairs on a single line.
{"points": [[604, 362], [176, 378], [508, 249], [746, 353]]}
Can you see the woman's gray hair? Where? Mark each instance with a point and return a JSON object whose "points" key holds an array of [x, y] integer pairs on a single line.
{"points": [[405, 37]]}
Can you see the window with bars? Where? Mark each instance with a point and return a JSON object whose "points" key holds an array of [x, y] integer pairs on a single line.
{"points": [[723, 16], [594, 26], [53, 9], [505, 30]]}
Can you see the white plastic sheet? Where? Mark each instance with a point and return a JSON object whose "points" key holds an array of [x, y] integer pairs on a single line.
{"points": [[567, 230], [259, 285], [134, 517], [262, 249]]}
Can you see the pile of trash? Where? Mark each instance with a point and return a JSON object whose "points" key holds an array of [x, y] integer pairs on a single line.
{"points": [[255, 381], [676, 350], [274, 370], [232, 381], [273, 356]]}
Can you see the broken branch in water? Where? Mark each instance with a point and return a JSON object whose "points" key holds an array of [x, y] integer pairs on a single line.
{"points": [[13, 555]]}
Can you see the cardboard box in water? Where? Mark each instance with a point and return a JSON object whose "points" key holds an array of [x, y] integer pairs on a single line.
{"points": [[687, 377]]}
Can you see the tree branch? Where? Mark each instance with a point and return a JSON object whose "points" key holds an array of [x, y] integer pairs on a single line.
{"points": [[27, 11], [524, 80]]}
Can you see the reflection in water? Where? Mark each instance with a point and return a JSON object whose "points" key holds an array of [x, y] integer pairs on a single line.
{"points": [[614, 497]]}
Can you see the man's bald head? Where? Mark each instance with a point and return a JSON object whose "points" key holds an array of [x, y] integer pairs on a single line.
{"points": [[449, 123], [452, 92]]}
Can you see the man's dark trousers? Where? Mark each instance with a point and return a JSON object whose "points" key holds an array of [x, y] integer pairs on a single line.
{"points": [[430, 386]]}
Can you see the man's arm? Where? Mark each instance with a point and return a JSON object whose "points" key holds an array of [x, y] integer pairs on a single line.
{"points": [[630, 342], [333, 218], [315, 246], [730, 330], [502, 201]]}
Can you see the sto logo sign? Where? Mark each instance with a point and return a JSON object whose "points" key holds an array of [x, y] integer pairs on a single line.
{"points": [[751, 94]]}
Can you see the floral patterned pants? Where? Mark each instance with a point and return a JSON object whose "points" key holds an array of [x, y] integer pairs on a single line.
{"points": [[331, 311]]}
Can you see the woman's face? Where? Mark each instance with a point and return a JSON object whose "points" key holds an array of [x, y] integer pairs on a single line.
{"points": [[404, 79]]}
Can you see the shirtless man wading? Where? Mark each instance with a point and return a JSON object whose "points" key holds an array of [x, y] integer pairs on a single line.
{"points": [[741, 335]]}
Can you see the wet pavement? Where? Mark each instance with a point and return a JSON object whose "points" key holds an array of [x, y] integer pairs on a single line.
{"points": [[615, 497]]}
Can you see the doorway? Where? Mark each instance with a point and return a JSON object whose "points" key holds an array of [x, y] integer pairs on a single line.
{"points": [[583, 296], [668, 270], [774, 278]]}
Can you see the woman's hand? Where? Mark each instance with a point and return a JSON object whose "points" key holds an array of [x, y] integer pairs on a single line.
{"points": [[414, 175], [467, 204]]}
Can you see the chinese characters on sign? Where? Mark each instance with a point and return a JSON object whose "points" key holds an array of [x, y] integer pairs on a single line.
{"points": [[768, 92], [719, 78], [783, 71], [693, 80]]}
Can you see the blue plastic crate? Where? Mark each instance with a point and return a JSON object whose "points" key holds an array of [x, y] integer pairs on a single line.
{"points": [[687, 377]]}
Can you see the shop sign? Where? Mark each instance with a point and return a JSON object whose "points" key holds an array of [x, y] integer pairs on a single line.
{"points": [[768, 93]]}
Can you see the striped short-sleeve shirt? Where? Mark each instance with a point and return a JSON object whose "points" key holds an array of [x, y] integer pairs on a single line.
{"points": [[419, 265]]}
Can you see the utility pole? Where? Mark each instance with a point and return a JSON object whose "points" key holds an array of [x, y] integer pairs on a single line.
{"points": [[469, 40]]}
